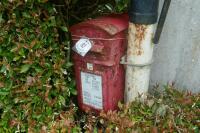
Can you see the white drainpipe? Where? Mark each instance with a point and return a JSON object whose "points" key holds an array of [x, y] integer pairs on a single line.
{"points": [[139, 58], [143, 15]]}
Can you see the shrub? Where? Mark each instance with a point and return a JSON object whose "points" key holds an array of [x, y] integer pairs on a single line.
{"points": [[35, 69]]}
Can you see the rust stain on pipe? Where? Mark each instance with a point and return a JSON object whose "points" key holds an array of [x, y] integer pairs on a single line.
{"points": [[139, 37], [136, 36]]}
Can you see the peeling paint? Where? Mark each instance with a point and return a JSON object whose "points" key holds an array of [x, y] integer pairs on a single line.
{"points": [[139, 37], [140, 51], [111, 29]]}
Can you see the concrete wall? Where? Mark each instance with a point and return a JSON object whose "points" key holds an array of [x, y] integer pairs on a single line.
{"points": [[177, 56]]}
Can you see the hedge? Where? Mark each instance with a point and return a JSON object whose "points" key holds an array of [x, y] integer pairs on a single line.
{"points": [[36, 76]]}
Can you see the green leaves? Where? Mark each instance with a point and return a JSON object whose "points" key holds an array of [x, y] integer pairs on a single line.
{"points": [[63, 28], [3, 69], [62, 100], [163, 113], [35, 75], [25, 68], [4, 92], [121, 5]]}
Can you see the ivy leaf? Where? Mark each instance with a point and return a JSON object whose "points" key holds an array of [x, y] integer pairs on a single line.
{"points": [[63, 28], [25, 68]]}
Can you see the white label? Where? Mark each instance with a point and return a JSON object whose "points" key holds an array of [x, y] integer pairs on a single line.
{"points": [[89, 66], [82, 46], [92, 90]]}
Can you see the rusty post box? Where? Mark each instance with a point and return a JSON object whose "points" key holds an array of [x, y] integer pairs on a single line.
{"points": [[99, 74]]}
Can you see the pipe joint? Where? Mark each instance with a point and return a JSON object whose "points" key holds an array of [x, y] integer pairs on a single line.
{"points": [[124, 62]]}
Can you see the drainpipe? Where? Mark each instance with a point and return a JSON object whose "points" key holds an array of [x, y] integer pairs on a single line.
{"points": [[143, 16]]}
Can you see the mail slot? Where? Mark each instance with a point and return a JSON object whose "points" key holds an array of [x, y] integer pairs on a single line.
{"points": [[99, 75]]}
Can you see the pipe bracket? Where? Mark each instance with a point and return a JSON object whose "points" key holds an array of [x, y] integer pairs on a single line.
{"points": [[124, 62]]}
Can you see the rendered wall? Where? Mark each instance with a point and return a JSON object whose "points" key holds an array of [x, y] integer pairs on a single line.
{"points": [[177, 56]]}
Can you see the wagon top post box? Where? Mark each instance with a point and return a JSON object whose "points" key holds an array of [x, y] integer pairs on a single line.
{"points": [[99, 74]]}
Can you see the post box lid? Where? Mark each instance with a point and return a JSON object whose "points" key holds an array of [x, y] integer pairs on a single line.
{"points": [[112, 24]]}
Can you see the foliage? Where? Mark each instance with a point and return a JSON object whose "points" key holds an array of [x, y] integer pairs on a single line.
{"points": [[168, 111], [35, 69], [73, 11]]}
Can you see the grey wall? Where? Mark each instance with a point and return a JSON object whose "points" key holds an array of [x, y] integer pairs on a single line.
{"points": [[177, 56]]}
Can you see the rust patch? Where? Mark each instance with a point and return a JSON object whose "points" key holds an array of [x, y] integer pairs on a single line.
{"points": [[111, 29], [139, 37]]}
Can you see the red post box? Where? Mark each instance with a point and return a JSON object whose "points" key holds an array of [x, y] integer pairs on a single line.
{"points": [[99, 74]]}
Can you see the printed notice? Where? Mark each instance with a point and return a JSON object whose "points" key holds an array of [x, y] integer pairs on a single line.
{"points": [[92, 90], [82, 46]]}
